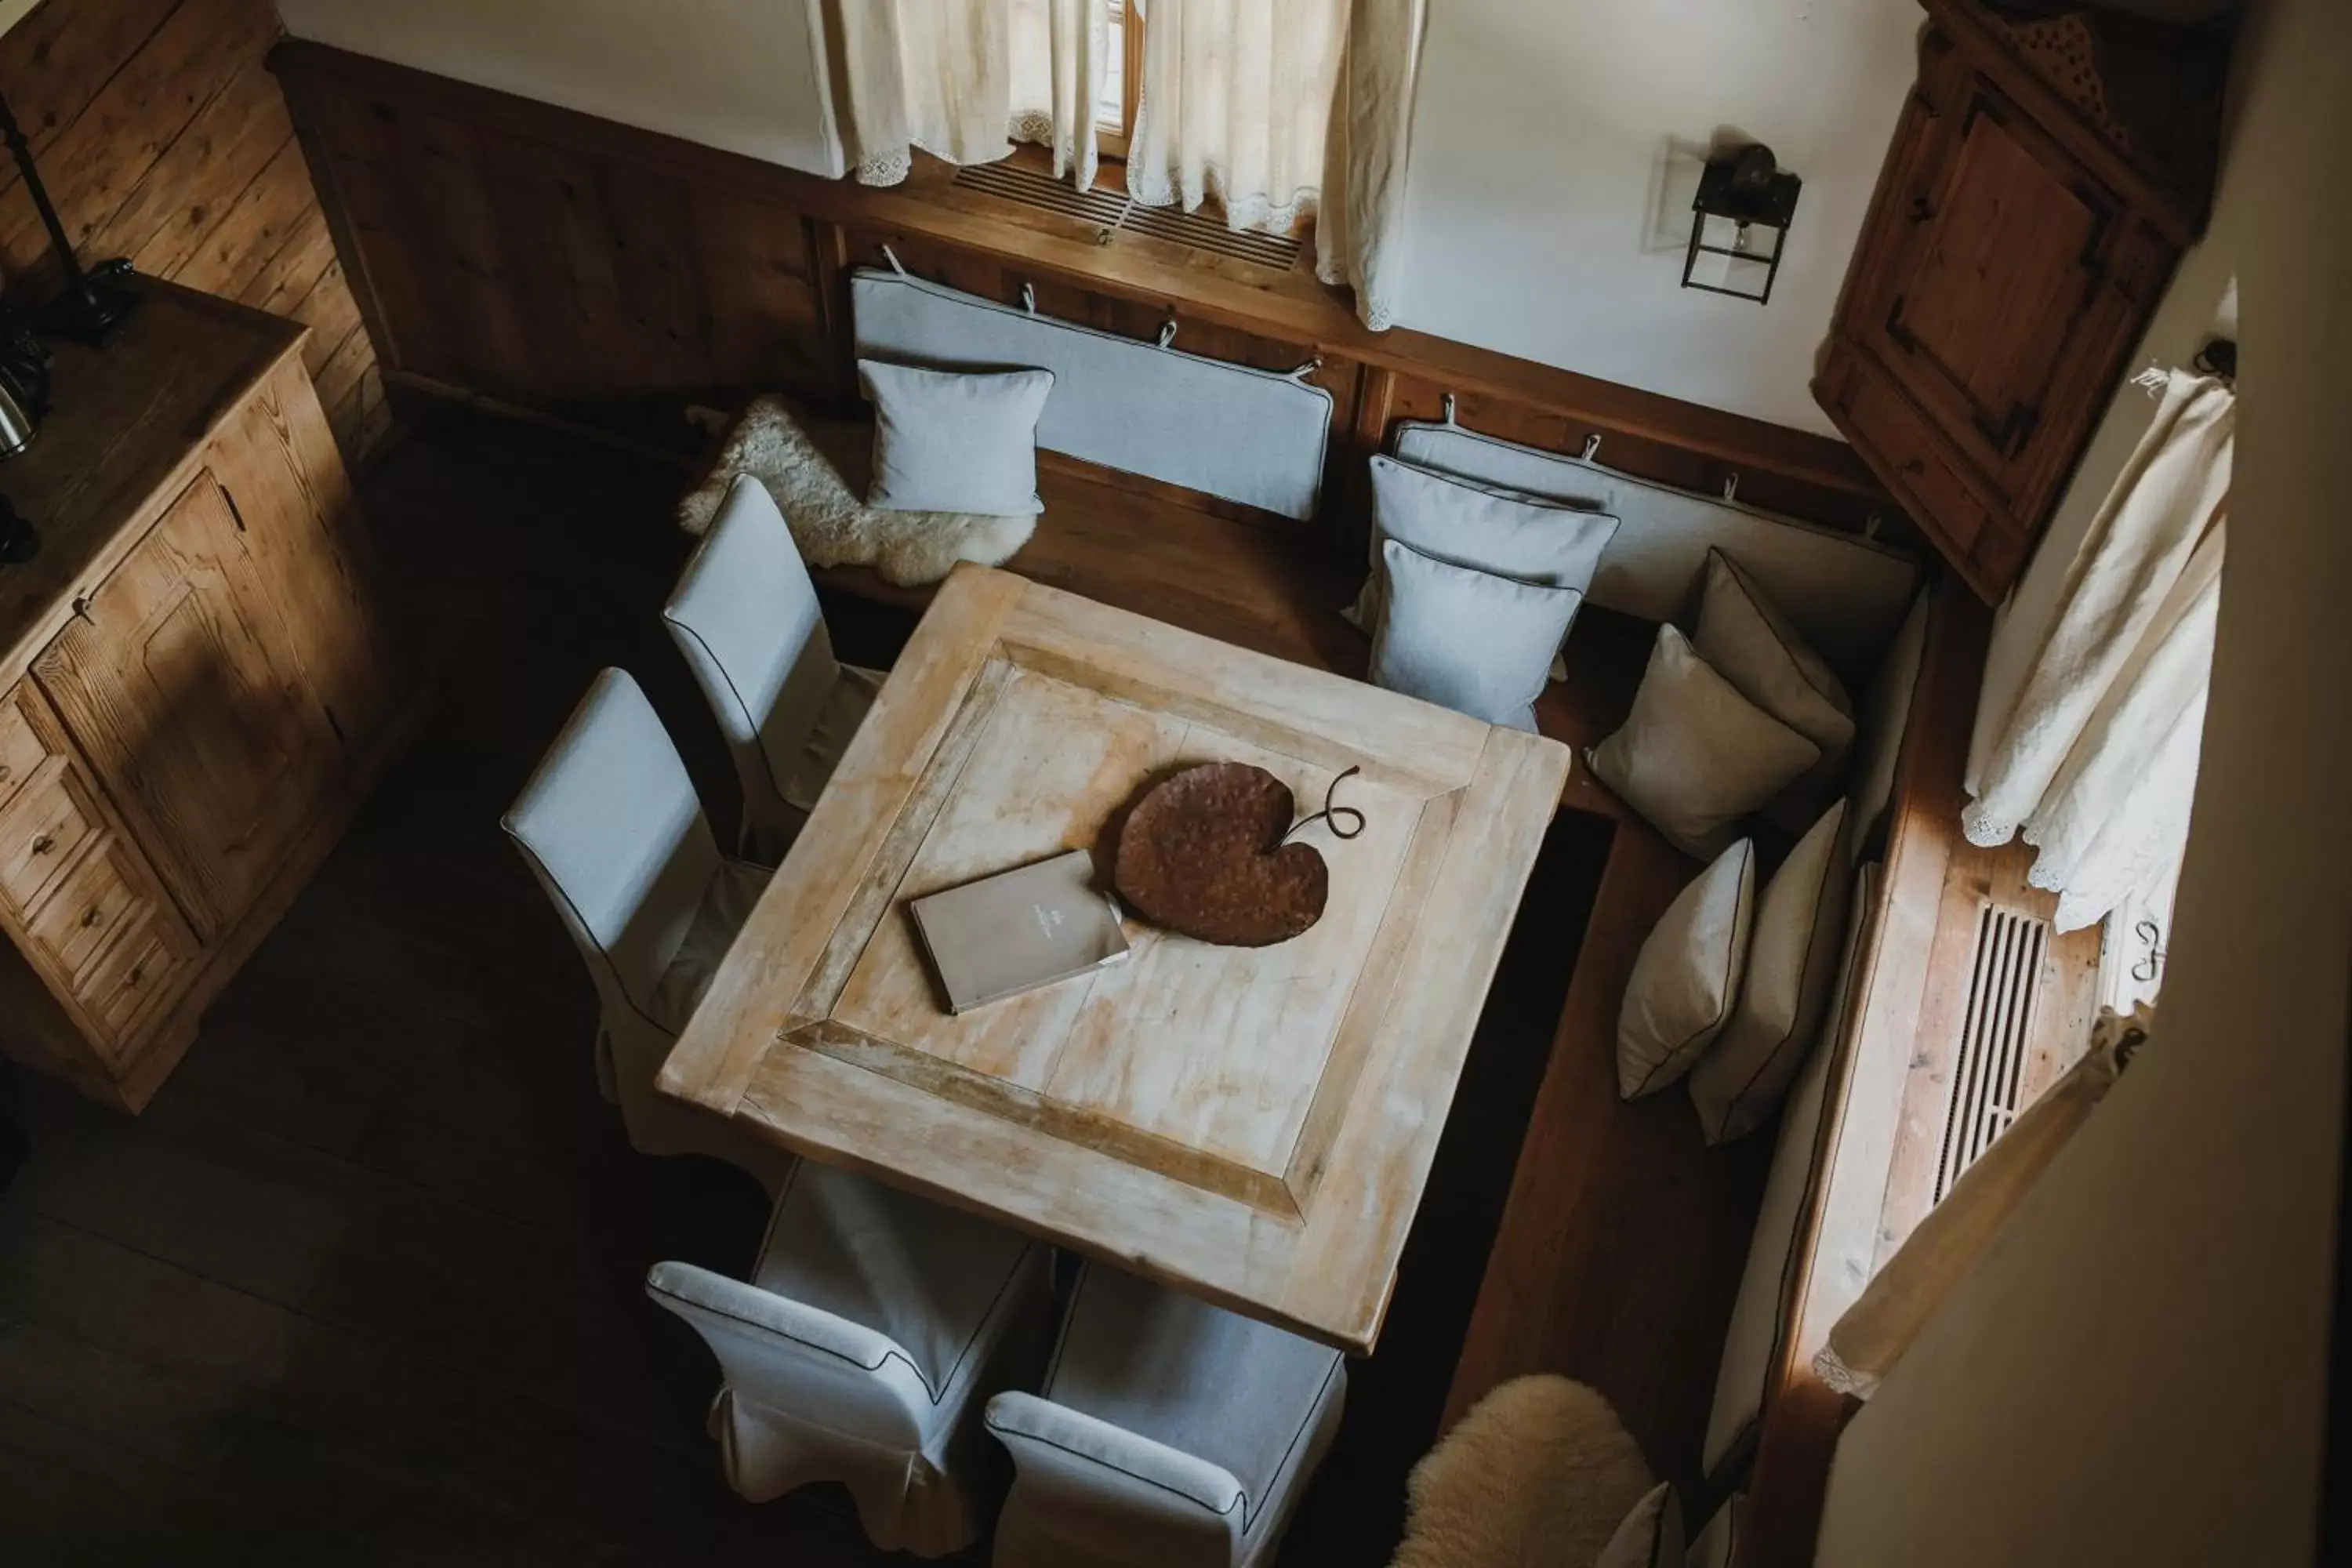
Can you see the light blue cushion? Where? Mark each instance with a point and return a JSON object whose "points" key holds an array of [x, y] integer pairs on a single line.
{"points": [[955, 441], [1466, 639]]}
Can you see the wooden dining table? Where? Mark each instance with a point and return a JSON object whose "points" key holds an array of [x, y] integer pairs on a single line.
{"points": [[1251, 1125]]}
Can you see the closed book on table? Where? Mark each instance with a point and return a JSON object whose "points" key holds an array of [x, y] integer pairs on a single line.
{"points": [[1018, 929]]}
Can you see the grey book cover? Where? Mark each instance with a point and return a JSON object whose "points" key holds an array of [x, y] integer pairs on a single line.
{"points": [[1016, 931]]}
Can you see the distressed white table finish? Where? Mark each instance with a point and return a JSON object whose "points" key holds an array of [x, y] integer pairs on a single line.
{"points": [[1252, 1125]]}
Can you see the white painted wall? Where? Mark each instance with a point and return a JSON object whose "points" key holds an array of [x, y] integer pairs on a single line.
{"points": [[1534, 205], [2136, 1372], [748, 76]]}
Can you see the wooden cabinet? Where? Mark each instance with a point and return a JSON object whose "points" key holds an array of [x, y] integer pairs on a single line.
{"points": [[2025, 227], [197, 687]]}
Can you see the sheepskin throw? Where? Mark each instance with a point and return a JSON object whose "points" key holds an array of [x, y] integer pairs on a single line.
{"points": [[1541, 1472], [817, 478]]}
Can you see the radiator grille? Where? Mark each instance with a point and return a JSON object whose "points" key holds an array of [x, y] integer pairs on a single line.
{"points": [[1114, 209], [2004, 986]]}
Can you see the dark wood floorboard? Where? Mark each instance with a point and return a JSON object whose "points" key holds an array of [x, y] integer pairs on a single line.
{"points": [[364, 1283]]}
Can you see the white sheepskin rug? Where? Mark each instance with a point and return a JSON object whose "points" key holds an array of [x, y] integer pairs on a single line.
{"points": [[817, 477], [1540, 1472]]}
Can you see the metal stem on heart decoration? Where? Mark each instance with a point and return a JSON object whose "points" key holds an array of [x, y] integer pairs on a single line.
{"points": [[1206, 853]]}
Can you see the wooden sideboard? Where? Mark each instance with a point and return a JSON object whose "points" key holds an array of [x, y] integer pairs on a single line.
{"points": [[2046, 175], [198, 681]]}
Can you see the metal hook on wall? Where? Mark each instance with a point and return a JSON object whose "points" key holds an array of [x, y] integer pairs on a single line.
{"points": [[1167, 331], [1592, 447], [1732, 486], [1029, 298], [1445, 407]]}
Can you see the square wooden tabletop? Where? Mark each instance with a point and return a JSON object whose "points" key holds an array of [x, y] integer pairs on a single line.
{"points": [[1253, 1125]]}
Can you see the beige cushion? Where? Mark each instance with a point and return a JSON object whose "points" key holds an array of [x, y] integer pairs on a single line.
{"points": [[1468, 639], [1885, 713], [1694, 756], [1683, 985], [954, 441], [1790, 962], [1650, 1537], [1745, 638], [1754, 1337]]}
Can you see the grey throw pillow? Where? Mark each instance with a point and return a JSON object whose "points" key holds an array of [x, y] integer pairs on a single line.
{"points": [[1463, 523], [1466, 639], [954, 441]]}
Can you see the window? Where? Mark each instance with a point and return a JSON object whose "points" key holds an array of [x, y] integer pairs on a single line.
{"points": [[1122, 85]]}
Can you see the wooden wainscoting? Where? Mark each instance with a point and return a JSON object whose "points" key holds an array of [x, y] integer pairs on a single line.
{"points": [[163, 137], [549, 263]]}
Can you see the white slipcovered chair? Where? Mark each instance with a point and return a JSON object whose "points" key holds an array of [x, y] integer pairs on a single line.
{"points": [[745, 616], [611, 827], [1170, 1433], [872, 1328]]}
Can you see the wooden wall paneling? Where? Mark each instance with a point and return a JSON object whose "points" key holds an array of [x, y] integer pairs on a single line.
{"points": [[351, 144], [175, 205], [129, 119], [268, 216], [765, 306], [54, 59], [163, 137]]}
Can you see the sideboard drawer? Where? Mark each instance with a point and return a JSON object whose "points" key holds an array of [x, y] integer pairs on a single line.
{"points": [[98, 898], [130, 976], [41, 831], [21, 751]]}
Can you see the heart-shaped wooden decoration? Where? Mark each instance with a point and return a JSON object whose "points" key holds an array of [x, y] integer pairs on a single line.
{"points": [[1202, 854]]}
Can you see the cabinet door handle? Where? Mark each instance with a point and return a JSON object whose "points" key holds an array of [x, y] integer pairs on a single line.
{"points": [[42, 844], [91, 916]]}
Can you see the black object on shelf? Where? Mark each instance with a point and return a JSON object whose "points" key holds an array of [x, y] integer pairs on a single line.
{"points": [[94, 302]]}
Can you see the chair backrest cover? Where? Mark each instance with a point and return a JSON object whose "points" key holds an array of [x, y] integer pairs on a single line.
{"points": [[798, 1360], [1106, 1494], [745, 616], [612, 828]]}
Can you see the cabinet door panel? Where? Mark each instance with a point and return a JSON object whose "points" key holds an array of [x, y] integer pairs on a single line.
{"points": [[2005, 259], [181, 687]]}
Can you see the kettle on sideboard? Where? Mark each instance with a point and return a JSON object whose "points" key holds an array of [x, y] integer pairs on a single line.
{"points": [[24, 399], [24, 385]]}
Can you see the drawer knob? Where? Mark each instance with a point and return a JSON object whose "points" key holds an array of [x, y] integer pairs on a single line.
{"points": [[43, 844], [90, 918], [137, 972]]}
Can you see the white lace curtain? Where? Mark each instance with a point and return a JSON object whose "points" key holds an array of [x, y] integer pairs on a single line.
{"points": [[2096, 762], [1277, 110], [964, 79]]}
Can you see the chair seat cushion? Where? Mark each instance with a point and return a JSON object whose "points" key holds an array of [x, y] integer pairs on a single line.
{"points": [[726, 903], [837, 725], [924, 1276], [1237, 1393]]}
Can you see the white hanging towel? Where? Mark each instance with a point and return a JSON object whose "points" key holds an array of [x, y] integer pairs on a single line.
{"points": [[2096, 762]]}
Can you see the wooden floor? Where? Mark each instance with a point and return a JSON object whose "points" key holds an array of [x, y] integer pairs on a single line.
{"points": [[364, 1283]]}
